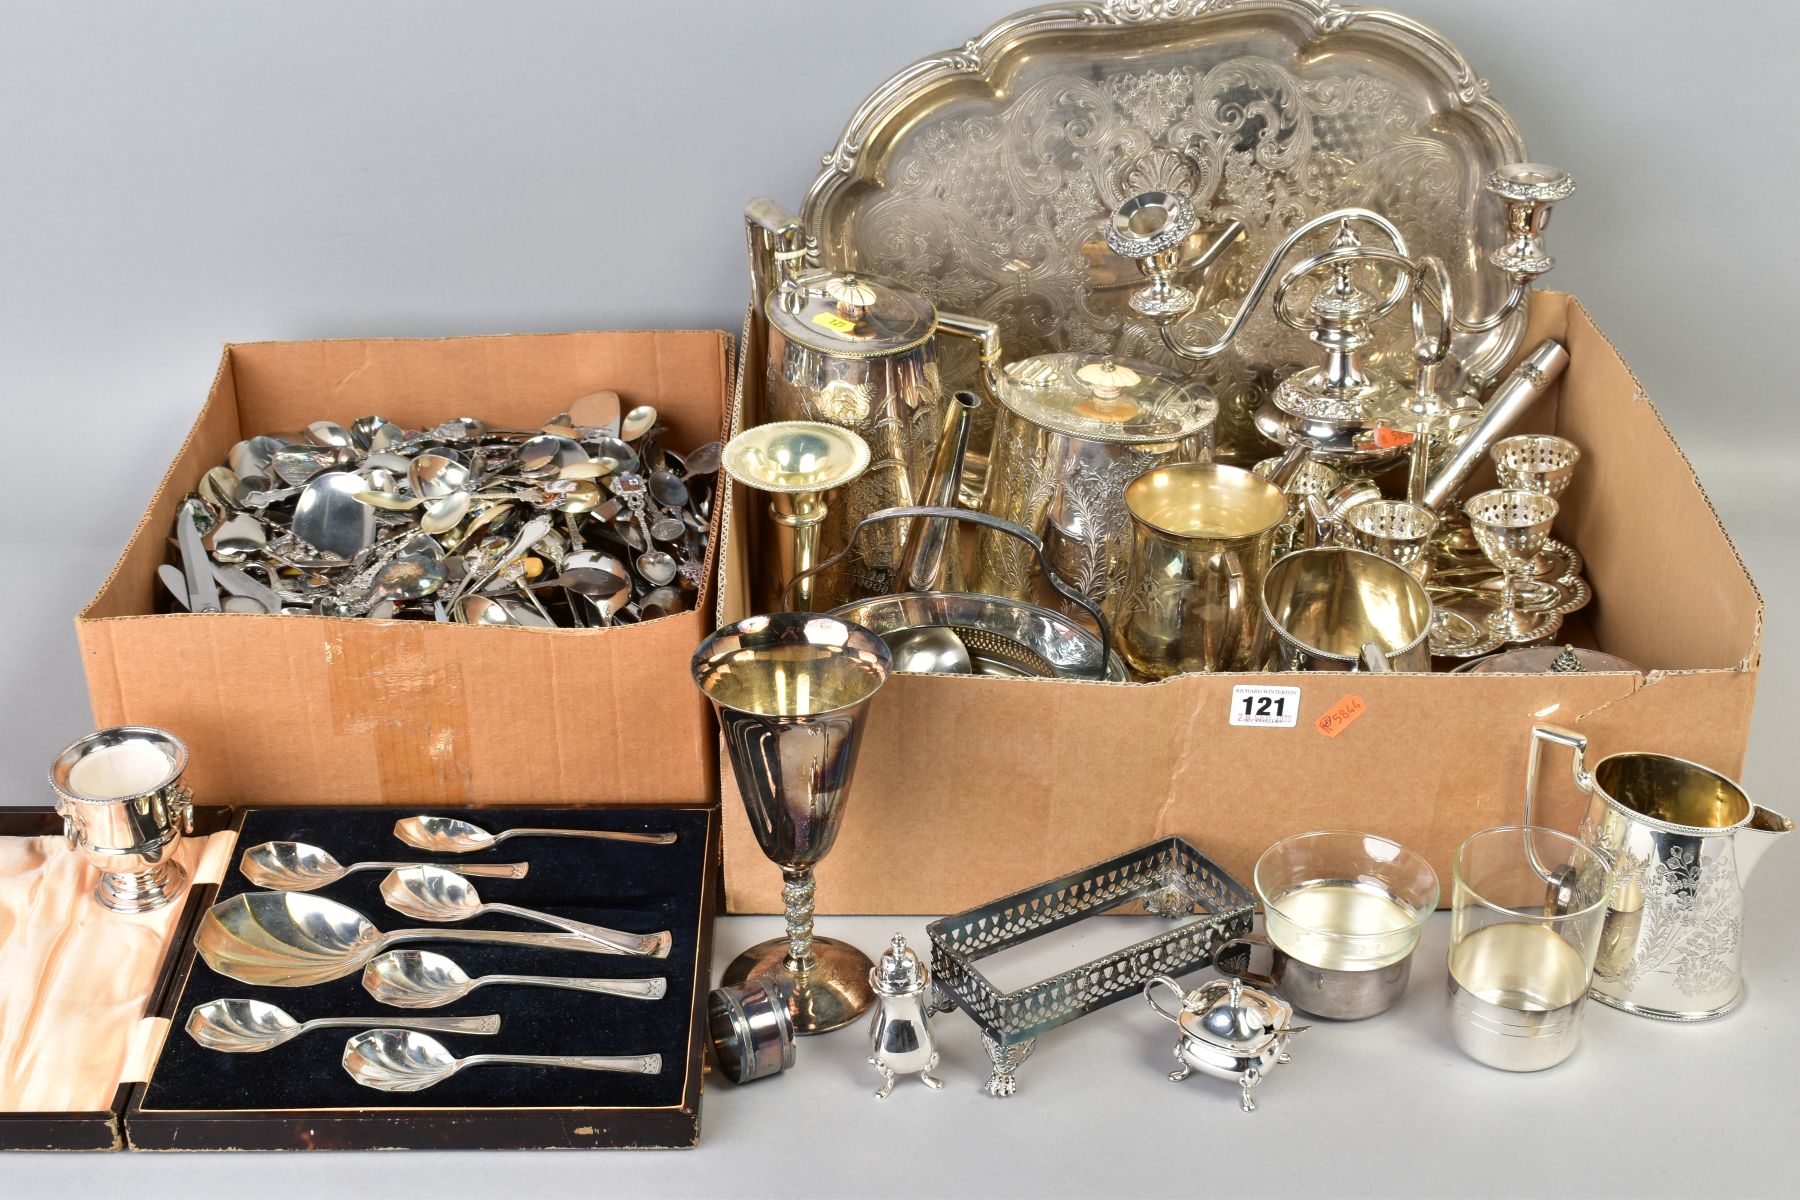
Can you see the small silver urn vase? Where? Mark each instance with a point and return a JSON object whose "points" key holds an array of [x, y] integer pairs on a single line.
{"points": [[900, 1041]]}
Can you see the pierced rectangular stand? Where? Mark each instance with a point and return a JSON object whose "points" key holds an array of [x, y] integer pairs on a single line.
{"points": [[1169, 877]]}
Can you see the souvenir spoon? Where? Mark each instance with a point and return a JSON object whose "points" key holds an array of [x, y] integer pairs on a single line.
{"points": [[416, 572], [448, 835], [437, 894], [424, 979], [394, 1060], [299, 867], [295, 939], [636, 423], [657, 566], [247, 1026], [329, 517]]}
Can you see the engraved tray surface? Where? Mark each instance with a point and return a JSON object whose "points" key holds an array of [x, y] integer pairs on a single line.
{"points": [[981, 176], [1170, 878]]}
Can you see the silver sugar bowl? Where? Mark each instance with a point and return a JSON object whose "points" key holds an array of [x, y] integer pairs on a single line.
{"points": [[1228, 1030], [126, 810], [900, 1041]]}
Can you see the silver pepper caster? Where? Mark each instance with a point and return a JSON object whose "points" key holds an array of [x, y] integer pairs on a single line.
{"points": [[900, 1041]]}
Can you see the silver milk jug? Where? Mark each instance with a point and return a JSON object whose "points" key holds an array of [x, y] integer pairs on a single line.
{"points": [[900, 1041], [1683, 840]]}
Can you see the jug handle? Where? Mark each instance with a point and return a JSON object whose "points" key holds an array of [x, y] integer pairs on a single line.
{"points": [[1562, 737], [1174, 1017], [986, 336]]}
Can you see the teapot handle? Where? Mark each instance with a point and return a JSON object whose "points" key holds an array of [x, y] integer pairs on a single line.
{"points": [[1174, 1017], [1562, 737]]}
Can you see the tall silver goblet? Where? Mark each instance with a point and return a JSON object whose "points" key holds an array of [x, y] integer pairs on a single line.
{"points": [[792, 693]]}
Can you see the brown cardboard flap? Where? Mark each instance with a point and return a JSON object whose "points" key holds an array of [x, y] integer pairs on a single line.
{"points": [[1670, 590]]}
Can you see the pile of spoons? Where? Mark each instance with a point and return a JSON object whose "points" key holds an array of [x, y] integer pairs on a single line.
{"points": [[588, 521]]}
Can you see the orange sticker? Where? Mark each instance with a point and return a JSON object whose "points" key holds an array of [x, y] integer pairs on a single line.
{"points": [[1337, 718], [1387, 437], [834, 322]]}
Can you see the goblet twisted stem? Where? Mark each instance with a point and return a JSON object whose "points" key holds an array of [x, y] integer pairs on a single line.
{"points": [[797, 890]]}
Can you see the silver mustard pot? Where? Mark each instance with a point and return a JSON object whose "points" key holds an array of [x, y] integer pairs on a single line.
{"points": [[1228, 1030]]}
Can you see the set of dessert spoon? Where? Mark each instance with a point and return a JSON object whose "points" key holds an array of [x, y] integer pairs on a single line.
{"points": [[287, 937]]}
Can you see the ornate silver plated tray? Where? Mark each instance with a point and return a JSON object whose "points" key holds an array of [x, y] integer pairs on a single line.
{"points": [[981, 176]]}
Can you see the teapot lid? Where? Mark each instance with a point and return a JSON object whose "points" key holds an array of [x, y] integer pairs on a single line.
{"points": [[851, 315], [1106, 398]]}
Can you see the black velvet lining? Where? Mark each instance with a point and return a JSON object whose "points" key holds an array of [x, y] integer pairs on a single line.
{"points": [[639, 888]]}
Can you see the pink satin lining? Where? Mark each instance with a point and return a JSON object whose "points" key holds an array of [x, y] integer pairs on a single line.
{"points": [[74, 978]]}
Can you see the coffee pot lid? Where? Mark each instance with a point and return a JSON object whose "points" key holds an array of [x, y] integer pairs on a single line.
{"points": [[1106, 398], [850, 314]]}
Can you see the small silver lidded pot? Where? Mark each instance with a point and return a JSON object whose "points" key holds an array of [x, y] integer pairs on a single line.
{"points": [[900, 1041], [1229, 1030], [126, 810]]}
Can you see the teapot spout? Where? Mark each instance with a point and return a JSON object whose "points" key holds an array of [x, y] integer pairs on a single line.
{"points": [[1764, 828]]}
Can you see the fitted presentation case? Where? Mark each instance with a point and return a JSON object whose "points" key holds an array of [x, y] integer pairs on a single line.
{"points": [[278, 709], [175, 1095], [993, 784]]}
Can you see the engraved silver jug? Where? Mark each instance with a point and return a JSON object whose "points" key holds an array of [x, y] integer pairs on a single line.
{"points": [[900, 1041], [1684, 840]]}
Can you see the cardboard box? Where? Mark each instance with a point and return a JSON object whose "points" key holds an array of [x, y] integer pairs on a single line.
{"points": [[355, 711], [969, 788]]}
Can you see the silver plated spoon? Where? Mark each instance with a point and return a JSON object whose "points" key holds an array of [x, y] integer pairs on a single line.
{"points": [[250, 1026], [449, 835], [301, 867], [396, 1060], [437, 894], [329, 517], [425, 979], [296, 939]]}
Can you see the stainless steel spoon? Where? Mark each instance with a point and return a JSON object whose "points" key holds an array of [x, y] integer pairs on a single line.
{"points": [[250, 1026], [300, 867], [424, 979], [295, 939], [449, 835], [436, 894], [394, 1060]]}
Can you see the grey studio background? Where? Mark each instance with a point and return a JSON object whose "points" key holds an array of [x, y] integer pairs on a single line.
{"points": [[177, 176]]}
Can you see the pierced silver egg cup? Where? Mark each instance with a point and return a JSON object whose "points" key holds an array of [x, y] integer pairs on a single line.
{"points": [[1510, 525], [1397, 530]]}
